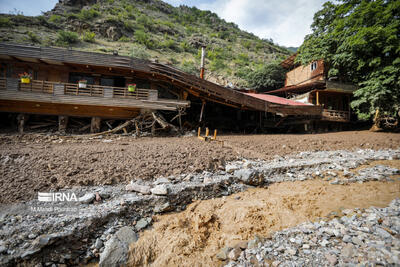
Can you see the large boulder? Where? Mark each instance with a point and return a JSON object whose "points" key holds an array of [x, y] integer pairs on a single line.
{"points": [[116, 248], [249, 176]]}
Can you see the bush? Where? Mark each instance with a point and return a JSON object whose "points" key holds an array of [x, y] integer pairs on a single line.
{"points": [[124, 39], [71, 15], [139, 52], [129, 26], [4, 22], [89, 37], [170, 44], [242, 59], [190, 67], [185, 46], [217, 64], [65, 38], [42, 20], [223, 35], [55, 19], [246, 44], [142, 38], [88, 14], [33, 37]]}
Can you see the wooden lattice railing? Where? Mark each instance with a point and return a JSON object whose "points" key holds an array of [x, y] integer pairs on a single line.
{"points": [[37, 86], [90, 90], [336, 115], [3, 84]]}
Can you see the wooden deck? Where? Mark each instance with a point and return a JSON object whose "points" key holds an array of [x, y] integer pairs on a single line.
{"points": [[45, 97]]}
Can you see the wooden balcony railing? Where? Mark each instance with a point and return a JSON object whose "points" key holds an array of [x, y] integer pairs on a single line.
{"points": [[123, 92], [37, 86], [335, 115], [3, 84], [47, 87], [90, 90]]}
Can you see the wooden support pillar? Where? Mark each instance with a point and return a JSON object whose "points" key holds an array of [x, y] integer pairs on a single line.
{"points": [[62, 123], [348, 103], [202, 110], [22, 119], [95, 125], [185, 95]]}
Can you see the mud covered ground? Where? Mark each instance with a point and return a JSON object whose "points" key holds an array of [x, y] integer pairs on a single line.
{"points": [[195, 236], [37, 162]]}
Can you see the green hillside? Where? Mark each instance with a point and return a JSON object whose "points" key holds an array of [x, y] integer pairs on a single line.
{"points": [[149, 29]]}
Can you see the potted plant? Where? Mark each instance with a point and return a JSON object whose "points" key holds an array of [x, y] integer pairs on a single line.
{"points": [[25, 77], [82, 83], [131, 87]]}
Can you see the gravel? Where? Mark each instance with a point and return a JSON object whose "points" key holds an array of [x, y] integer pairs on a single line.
{"points": [[360, 241]]}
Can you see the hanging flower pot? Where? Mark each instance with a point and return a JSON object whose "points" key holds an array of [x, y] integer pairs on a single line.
{"points": [[82, 83], [25, 80], [131, 87], [25, 77]]}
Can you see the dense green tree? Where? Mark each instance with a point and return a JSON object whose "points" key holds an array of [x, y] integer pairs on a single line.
{"points": [[360, 43], [266, 78]]}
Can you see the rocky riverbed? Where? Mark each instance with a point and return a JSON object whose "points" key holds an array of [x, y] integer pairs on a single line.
{"points": [[89, 229], [366, 237]]}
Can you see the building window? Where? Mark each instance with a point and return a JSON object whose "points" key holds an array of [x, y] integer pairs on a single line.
{"points": [[314, 65]]}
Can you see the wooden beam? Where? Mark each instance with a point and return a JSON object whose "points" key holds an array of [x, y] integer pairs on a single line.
{"points": [[67, 109], [22, 118], [95, 125], [202, 110], [62, 123], [43, 62]]}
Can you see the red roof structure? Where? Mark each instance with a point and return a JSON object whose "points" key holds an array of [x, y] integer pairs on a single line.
{"points": [[298, 89], [277, 99]]}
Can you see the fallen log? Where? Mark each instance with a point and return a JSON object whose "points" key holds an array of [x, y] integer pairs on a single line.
{"points": [[116, 129], [164, 124]]}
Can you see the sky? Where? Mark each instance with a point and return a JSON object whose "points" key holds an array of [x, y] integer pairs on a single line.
{"points": [[285, 21]]}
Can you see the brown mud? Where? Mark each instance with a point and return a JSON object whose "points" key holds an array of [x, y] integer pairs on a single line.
{"points": [[194, 236], [31, 163]]}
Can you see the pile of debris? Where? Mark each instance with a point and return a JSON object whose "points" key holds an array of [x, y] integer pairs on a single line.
{"points": [[144, 123]]}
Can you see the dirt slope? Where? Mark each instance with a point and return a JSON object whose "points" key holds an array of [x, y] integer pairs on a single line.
{"points": [[193, 237]]}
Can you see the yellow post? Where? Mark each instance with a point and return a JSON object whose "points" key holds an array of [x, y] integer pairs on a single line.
{"points": [[317, 98], [215, 134], [198, 132], [207, 132]]}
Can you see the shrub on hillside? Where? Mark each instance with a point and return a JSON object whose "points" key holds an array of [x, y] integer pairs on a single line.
{"points": [[142, 38], [5, 22], [170, 44], [42, 20], [190, 66], [33, 37], [65, 38], [217, 64], [88, 14], [124, 39], [139, 52], [89, 37], [55, 19], [71, 15]]}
